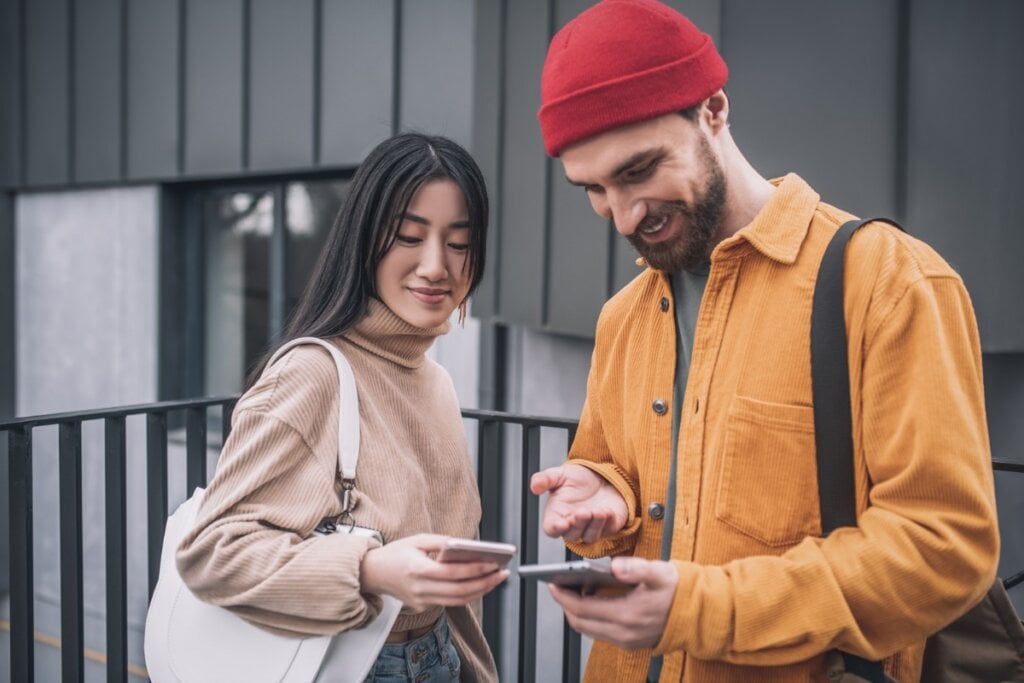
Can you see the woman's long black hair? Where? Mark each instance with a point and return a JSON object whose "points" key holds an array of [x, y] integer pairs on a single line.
{"points": [[338, 292]]}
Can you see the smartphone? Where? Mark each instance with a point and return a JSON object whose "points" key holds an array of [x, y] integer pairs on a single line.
{"points": [[468, 550], [589, 577]]}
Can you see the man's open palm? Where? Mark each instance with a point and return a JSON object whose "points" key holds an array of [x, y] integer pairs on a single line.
{"points": [[582, 505]]}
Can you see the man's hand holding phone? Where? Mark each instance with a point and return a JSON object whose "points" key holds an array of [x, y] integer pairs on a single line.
{"points": [[633, 620]]}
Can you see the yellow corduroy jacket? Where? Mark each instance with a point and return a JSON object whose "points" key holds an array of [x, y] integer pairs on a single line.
{"points": [[761, 596]]}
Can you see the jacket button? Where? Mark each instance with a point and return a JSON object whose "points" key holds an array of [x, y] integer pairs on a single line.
{"points": [[660, 407], [664, 304], [656, 510]]}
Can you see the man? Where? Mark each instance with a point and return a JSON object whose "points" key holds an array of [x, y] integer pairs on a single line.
{"points": [[695, 451]]}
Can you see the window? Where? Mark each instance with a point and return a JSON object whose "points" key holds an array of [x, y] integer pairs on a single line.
{"points": [[252, 248]]}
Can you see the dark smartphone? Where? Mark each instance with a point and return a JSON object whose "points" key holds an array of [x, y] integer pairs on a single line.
{"points": [[589, 577]]}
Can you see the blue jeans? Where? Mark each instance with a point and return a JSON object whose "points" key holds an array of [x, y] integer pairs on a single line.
{"points": [[431, 658]]}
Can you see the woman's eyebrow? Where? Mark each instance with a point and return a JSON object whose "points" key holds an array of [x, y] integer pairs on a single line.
{"points": [[409, 216]]}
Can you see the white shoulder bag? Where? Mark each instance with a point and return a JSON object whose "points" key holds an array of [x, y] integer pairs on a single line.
{"points": [[191, 641]]}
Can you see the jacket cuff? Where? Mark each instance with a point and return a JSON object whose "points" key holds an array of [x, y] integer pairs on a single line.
{"points": [[624, 539], [700, 618]]}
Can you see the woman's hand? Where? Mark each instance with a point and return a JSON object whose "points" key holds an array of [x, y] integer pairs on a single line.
{"points": [[404, 569]]}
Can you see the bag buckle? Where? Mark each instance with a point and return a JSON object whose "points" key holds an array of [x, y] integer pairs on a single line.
{"points": [[347, 486]]}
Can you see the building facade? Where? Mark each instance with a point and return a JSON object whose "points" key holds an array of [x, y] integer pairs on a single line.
{"points": [[168, 167]]}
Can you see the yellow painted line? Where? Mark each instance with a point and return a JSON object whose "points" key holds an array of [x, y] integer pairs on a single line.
{"points": [[88, 653]]}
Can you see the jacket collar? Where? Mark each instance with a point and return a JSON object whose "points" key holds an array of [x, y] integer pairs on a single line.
{"points": [[779, 228]]}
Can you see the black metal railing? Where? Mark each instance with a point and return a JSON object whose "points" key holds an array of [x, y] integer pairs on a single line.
{"points": [[492, 449]]}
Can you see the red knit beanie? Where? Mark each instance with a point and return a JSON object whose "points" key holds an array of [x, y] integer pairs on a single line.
{"points": [[619, 62]]}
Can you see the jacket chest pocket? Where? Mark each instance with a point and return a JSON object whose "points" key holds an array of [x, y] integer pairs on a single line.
{"points": [[767, 485]]}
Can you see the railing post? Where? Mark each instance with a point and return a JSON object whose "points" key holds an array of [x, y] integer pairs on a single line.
{"points": [[227, 410], [195, 448], [19, 454], [117, 549], [156, 491], [488, 472], [71, 596], [529, 521]]}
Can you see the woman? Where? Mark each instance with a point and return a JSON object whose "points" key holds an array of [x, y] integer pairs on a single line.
{"points": [[406, 250]]}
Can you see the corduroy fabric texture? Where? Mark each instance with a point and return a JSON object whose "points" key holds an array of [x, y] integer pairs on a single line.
{"points": [[760, 595], [276, 480], [620, 62]]}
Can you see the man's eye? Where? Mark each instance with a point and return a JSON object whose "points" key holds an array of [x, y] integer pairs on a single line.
{"points": [[593, 189], [641, 173]]}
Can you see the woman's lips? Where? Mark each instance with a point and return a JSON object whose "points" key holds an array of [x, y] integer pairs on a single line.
{"points": [[429, 296]]}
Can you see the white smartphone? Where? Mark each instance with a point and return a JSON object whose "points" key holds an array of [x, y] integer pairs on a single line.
{"points": [[468, 550], [589, 577]]}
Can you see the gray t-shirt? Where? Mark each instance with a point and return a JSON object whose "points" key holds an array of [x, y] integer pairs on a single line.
{"points": [[687, 291]]}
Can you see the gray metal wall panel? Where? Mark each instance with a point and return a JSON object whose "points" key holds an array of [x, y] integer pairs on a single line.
{"points": [[706, 14], [97, 86], [47, 103], [7, 331], [213, 86], [524, 172], [10, 95], [281, 46], [152, 135], [624, 267], [813, 87], [965, 149], [488, 100], [7, 369], [578, 260], [436, 46], [357, 94]]}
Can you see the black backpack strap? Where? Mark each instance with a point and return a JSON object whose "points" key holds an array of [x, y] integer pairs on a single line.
{"points": [[830, 384], [833, 416]]}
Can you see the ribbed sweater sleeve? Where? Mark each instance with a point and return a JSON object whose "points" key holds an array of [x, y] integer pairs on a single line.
{"points": [[251, 550]]}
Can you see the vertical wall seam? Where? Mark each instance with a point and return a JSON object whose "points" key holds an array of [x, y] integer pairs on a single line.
{"points": [[182, 94], [122, 132], [22, 124], [318, 40], [396, 69], [548, 208], [499, 172], [902, 160], [721, 28], [71, 11], [246, 70]]}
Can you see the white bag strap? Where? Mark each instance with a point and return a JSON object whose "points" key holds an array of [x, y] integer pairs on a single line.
{"points": [[348, 412]]}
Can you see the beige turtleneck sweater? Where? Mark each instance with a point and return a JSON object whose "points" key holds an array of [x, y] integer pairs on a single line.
{"points": [[251, 550]]}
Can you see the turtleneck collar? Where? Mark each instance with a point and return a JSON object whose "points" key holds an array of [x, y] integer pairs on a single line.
{"points": [[384, 334]]}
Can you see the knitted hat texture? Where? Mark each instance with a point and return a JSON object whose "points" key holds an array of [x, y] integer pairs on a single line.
{"points": [[620, 62]]}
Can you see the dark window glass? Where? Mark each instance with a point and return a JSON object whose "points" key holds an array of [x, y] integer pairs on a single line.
{"points": [[247, 298]]}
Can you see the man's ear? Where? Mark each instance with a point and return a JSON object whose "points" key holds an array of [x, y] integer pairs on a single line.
{"points": [[715, 112]]}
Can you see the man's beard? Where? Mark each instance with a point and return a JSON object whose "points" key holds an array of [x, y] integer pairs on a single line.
{"points": [[692, 246]]}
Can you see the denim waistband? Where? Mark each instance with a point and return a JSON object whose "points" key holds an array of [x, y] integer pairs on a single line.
{"points": [[419, 655]]}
